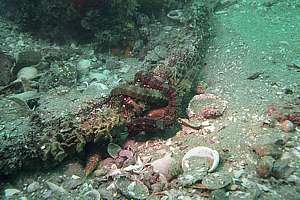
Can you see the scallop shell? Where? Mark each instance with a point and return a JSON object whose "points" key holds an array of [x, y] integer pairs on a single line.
{"points": [[204, 152]]}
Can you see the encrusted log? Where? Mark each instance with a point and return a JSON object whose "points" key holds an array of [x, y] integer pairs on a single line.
{"points": [[64, 125]]}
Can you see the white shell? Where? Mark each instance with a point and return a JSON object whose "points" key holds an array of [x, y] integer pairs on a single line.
{"points": [[204, 152]]}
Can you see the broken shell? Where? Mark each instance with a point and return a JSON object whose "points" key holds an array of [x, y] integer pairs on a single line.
{"points": [[204, 152]]}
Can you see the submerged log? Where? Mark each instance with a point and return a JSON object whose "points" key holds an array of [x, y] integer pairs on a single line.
{"points": [[66, 123]]}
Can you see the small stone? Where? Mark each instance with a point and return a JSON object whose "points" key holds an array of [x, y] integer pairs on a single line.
{"points": [[268, 150], [72, 184], [294, 179], [217, 180], [47, 194], [74, 169], [93, 194], [9, 193], [83, 67], [218, 195], [206, 106], [34, 186], [264, 166], [238, 173], [113, 64], [100, 172], [287, 126], [28, 58], [55, 188], [281, 169], [132, 189]]}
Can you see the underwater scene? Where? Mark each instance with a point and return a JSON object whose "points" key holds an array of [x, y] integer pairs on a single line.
{"points": [[150, 99]]}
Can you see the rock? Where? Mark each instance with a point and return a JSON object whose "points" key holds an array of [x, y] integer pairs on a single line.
{"points": [[6, 64], [9, 193], [192, 176], [238, 195], [281, 169], [28, 58], [112, 64], [294, 179], [55, 188], [83, 67], [161, 51], [163, 165], [238, 173], [132, 189], [217, 180], [272, 150], [93, 194], [96, 89], [218, 195], [74, 168], [206, 106], [47, 194], [287, 126], [25, 96], [72, 184], [113, 150], [264, 166], [34, 186], [100, 172]]}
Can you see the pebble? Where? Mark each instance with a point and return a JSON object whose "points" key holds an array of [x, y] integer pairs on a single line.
{"points": [[264, 166], [93, 194], [280, 169], [55, 188], [34, 186], [72, 184], [9, 193], [287, 126], [100, 172], [238, 173], [28, 58], [113, 64], [268, 150], [83, 66], [294, 179]]}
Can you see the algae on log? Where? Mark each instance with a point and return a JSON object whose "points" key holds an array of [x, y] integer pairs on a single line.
{"points": [[66, 121], [17, 138]]}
